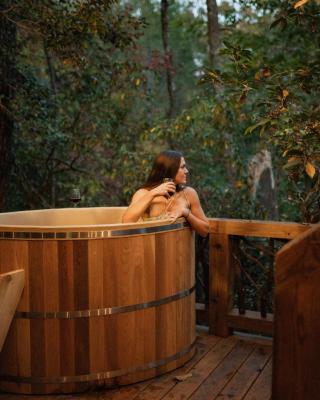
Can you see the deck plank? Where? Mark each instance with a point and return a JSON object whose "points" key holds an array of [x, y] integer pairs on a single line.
{"points": [[183, 390], [247, 374], [261, 389], [160, 386], [224, 372], [222, 368]]}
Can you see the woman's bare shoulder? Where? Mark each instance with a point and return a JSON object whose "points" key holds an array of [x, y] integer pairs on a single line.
{"points": [[190, 191], [139, 194]]}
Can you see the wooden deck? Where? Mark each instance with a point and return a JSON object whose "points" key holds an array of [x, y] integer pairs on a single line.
{"points": [[237, 367]]}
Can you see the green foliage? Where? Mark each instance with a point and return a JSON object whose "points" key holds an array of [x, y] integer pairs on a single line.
{"points": [[187, 37], [210, 134], [274, 77], [72, 102], [91, 101]]}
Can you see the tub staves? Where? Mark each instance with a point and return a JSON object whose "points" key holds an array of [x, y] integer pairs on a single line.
{"points": [[101, 310]]}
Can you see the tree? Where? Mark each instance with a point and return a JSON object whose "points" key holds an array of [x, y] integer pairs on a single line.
{"points": [[167, 55], [274, 80], [188, 48], [7, 77], [71, 95], [213, 32]]}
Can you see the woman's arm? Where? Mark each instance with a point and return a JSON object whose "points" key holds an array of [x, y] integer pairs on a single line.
{"points": [[142, 199], [195, 215]]}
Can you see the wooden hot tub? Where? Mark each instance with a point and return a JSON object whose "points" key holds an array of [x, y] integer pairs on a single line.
{"points": [[104, 303]]}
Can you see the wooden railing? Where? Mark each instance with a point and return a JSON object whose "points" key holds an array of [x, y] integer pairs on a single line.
{"points": [[222, 317]]}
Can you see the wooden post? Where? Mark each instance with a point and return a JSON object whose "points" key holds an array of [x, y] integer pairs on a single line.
{"points": [[11, 285], [296, 372], [219, 284]]}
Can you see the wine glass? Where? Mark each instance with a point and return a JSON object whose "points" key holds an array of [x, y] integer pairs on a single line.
{"points": [[75, 196]]}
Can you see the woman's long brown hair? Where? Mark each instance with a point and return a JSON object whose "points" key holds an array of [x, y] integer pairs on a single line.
{"points": [[165, 165]]}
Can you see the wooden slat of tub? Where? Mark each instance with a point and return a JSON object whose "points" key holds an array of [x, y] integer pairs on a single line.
{"points": [[148, 288], [66, 302], [23, 344], [180, 255], [132, 268], [191, 327], [36, 276], [166, 276], [143, 316], [96, 324], [147, 317], [51, 275], [186, 307], [130, 326], [37, 303], [110, 267], [110, 293], [14, 255], [51, 292], [81, 302], [119, 328], [123, 255], [185, 258], [149, 337], [166, 266]]}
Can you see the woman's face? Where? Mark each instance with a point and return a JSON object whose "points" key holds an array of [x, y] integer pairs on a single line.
{"points": [[181, 176]]}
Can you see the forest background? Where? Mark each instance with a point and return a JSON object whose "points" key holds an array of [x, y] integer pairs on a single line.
{"points": [[91, 90]]}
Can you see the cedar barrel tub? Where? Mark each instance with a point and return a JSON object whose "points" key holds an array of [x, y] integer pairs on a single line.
{"points": [[104, 303]]}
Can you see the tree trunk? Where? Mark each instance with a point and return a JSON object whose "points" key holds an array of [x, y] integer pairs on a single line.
{"points": [[53, 84], [7, 73], [167, 55], [262, 184], [213, 32]]}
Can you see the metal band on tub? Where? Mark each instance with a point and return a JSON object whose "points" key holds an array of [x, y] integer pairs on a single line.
{"points": [[100, 312], [98, 375]]}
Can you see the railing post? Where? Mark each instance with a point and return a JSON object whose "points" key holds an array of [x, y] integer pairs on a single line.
{"points": [[296, 372], [219, 284]]}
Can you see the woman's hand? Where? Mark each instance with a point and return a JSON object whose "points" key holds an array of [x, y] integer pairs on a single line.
{"points": [[178, 212], [195, 215], [143, 198], [164, 189]]}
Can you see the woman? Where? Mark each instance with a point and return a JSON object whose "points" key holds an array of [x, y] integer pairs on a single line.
{"points": [[164, 195]]}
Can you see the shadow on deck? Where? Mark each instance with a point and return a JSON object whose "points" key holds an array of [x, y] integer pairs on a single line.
{"points": [[236, 367]]}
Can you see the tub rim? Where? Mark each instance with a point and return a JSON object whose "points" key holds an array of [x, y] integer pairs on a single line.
{"points": [[84, 231]]}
